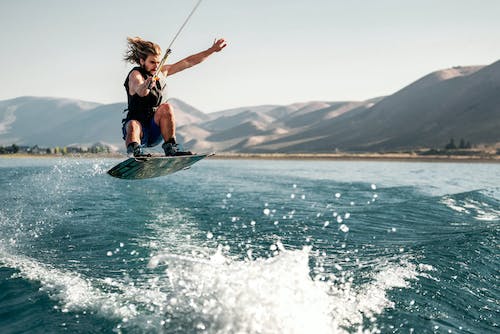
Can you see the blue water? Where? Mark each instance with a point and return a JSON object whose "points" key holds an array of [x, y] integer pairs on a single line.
{"points": [[250, 247]]}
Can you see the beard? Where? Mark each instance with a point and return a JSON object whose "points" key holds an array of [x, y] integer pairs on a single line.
{"points": [[152, 72]]}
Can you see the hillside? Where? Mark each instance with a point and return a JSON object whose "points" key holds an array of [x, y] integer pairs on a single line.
{"points": [[49, 122], [460, 102]]}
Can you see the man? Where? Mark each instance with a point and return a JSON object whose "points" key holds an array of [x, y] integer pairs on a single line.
{"points": [[148, 119]]}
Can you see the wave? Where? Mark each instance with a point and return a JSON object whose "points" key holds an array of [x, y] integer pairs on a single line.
{"points": [[221, 295], [75, 292], [277, 294], [347, 281], [480, 205]]}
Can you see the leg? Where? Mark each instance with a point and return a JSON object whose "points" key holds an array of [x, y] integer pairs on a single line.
{"points": [[164, 117], [134, 132]]}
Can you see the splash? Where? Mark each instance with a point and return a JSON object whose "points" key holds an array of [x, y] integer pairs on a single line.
{"points": [[109, 298], [276, 295], [222, 295]]}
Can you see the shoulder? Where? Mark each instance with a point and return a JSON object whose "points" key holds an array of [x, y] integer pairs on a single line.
{"points": [[137, 71], [135, 74]]}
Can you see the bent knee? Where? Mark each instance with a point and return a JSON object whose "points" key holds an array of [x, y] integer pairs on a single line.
{"points": [[165, 110], [133, 125]]}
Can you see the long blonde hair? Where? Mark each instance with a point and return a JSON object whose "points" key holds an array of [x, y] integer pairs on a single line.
{"points": [[138, 49]]}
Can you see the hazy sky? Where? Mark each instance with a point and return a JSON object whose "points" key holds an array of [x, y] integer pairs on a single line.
{"points": [[280, 51]]}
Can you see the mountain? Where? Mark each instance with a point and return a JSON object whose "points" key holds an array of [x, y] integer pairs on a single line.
{"points": [[25, 119], [49, 122], [235, 111], [187, 114], [455, 103], [460, 102]]}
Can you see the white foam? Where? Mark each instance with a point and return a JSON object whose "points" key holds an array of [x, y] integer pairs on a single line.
{"points": [[73, 291], [483, 210], [225, 295], [172, 229], [278, 294], [452, 204], [479, 210]]}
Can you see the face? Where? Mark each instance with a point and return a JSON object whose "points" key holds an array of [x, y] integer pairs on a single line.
{"points": [[151, 63]]}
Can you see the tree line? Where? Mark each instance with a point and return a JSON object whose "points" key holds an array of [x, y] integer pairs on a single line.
{"points": [[461, 146], [14, 149]]}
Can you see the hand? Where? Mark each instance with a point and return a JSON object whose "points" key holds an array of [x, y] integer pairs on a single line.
{"points": [[148, 83], [219, 44]]}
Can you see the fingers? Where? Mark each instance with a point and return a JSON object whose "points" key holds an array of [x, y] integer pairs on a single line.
{"points": [[220, 44], [149, 82]]}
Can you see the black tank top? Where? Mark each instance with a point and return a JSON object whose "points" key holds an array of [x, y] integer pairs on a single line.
{"points": [[142, 108]]}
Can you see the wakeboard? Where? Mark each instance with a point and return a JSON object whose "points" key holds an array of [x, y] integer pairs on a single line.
{"points": [[137, 168]]}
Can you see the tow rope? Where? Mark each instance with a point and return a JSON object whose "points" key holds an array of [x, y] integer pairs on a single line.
{"points": [[169, 50]]}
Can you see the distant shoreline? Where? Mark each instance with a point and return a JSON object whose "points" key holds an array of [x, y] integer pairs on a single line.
{"points": [[357, 157], [402, 157]]}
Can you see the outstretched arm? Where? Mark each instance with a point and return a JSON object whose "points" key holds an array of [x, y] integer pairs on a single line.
{"points": [[193, 59]]}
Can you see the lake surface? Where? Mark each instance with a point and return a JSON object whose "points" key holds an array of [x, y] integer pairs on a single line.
{"points": [[250, 246]]}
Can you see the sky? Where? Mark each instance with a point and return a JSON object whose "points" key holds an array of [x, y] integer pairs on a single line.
{"points": [[279, 51]]}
